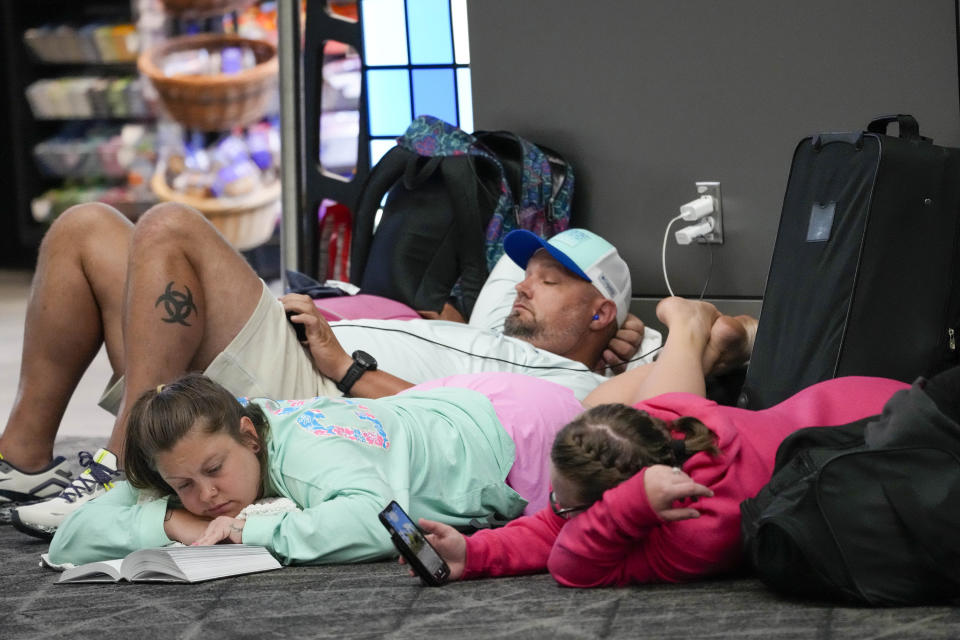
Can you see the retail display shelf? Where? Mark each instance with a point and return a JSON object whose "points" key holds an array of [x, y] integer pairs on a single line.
{"points": [[69, 67]]}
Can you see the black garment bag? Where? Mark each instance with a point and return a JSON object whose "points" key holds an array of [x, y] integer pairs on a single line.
{"points": [[863, 279]]}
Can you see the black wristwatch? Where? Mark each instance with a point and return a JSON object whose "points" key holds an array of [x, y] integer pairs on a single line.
{"points": [[362, 362]]}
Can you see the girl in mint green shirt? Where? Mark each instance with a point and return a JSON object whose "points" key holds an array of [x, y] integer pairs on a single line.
{"points": [[196, 457]]}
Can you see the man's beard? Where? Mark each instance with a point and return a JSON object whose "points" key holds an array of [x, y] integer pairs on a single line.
{"points": [[555, 339], [514, 327]]}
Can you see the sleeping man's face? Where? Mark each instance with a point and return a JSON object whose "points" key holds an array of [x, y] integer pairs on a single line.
{"points": [[553, 308]]}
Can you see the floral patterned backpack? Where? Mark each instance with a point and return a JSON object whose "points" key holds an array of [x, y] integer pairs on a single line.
{"points": [[451, 197]]}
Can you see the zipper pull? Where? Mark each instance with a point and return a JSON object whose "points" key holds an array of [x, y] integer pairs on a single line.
{"points": [[952, 339]]}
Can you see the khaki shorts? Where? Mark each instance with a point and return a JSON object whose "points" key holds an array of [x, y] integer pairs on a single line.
{"points": [[264, 360]]}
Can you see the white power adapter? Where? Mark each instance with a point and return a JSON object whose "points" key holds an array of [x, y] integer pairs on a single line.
{"points": [[694, 231], [707, 212], [696, 209]]}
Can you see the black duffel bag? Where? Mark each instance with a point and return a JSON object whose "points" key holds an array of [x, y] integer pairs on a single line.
{"points": [[865, 513]]}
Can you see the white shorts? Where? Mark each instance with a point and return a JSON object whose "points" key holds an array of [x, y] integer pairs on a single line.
{"points": [[264, 360]]}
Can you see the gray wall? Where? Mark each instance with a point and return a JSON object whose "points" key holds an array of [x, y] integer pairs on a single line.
{"points": [[647, 97]]}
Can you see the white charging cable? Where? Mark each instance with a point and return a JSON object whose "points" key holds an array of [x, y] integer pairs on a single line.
{"points": [[663, 252], [690, 212]]}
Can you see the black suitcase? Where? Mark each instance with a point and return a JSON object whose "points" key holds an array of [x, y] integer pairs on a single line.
{"points": [[863, 279]]}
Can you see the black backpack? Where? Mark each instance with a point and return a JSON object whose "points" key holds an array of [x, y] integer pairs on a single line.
{"points": [[867, 513], [451, 196]]}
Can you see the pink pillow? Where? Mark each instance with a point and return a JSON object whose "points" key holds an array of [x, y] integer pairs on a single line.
{"points": [[364, 305]]}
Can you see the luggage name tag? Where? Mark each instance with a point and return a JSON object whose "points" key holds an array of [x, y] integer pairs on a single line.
{"points": [[821, 221]]}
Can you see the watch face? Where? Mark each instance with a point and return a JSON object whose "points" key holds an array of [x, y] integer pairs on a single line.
{"points": [[364, 359]]}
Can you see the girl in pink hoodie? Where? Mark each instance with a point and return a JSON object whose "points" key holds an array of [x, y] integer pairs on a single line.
{"points": [[651, 491]]}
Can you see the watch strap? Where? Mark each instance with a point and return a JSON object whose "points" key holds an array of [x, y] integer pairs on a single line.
{"points": [[353, 374]]}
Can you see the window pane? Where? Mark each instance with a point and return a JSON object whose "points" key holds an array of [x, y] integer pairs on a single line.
{"points": [[465, 99], [430, 37], [379, 147], [384, 33], [339, 109], [434, 94], [388, 101], [461, 39]]}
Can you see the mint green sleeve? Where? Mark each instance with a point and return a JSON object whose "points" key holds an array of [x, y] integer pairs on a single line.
{"points": [[342, 528], [110, 526]]}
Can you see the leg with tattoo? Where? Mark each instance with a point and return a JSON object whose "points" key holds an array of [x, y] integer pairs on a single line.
{"points": [[145, 292], [188, 294]]}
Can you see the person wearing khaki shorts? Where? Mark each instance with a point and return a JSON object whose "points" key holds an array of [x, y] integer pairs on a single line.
{"points": [[265, 360]]}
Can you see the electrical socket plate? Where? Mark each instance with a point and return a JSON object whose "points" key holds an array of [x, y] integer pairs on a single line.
{"points": [[712, 189]]}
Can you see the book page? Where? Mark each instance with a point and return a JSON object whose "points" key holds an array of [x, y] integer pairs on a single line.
{"points": [[106, 571], [218, 561], [151, 565]]}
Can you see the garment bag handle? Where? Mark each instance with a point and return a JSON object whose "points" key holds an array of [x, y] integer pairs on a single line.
{"points": [[909, 129]]}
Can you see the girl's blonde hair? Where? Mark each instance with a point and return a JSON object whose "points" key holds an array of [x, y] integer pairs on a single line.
{"points": [[162, 416], [610, 443]]}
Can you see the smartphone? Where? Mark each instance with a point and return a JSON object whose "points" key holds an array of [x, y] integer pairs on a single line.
{"points": [[299, 328], [413, 546]]}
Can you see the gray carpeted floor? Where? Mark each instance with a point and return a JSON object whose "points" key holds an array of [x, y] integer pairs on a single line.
{"points": [[380, 600]]}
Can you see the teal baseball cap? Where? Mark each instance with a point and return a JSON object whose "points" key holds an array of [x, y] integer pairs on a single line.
{"points": [[585, 254]]}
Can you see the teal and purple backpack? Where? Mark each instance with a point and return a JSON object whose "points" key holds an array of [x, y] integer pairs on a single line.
{"points": [[451, 197]]}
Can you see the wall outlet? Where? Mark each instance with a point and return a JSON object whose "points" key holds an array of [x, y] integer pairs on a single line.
{"points": [[712, 189]]}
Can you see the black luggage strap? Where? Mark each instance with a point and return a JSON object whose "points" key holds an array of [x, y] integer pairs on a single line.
{"points": [[418, 170], [509, 150], [388, 170], [558, 169], [471, 226]]}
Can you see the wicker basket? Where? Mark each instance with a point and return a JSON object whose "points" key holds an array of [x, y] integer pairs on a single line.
{"points": [[246, 221], [204, 8], [214, 102]]}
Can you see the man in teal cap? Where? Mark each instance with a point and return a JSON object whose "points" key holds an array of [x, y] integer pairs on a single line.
{"points": [[553, 309]]}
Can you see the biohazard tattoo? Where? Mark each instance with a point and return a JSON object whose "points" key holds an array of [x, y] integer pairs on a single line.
{"points": [[178, 305]]}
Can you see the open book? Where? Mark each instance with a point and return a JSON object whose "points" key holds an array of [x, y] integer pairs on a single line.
{"points": [[176, 564]]}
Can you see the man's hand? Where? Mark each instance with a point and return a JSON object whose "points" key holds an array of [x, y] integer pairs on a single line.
{"points": [[665, 485], [449, 543], [623, 346], [222, 529], [449, 312], [329, 357]]}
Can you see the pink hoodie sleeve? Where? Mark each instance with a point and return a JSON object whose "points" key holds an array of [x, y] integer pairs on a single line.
{"points": [[518, 548]]}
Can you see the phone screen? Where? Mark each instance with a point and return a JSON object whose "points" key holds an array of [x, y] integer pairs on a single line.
{"points": [[412, 537]]}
